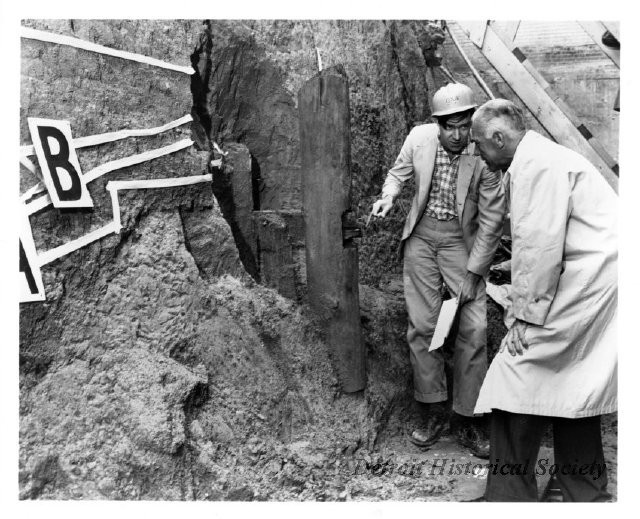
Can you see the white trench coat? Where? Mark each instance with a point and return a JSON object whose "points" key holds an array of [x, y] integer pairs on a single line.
{"points": [[565, 284]]}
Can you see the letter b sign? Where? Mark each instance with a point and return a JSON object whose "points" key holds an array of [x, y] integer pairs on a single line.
{"points": [[59, 163]]}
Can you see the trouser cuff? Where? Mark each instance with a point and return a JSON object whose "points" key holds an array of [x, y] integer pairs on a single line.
{"points": [[465, 410], [430, 398]]}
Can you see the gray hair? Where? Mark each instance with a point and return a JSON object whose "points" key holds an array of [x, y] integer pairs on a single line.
{"points": [[499, 114]]}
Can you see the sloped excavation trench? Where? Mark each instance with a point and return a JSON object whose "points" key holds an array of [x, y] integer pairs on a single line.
{"points": [[174, 373]]}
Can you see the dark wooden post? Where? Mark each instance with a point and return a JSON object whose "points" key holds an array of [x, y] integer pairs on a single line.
{"points": [[277, 269], [332, 255]]}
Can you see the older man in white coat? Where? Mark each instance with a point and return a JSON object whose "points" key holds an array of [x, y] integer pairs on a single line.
{"points": [[558, 362]]}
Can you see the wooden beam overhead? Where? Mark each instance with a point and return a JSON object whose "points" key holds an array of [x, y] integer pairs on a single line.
{"points": [[533, 90], [559, 101]]}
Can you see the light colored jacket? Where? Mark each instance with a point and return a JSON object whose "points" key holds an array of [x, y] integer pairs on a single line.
{"points": [[565, 284], [479, 194]]}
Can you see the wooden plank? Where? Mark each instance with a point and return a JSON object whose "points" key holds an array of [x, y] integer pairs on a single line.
{"points": [[232, 187], [332, 260], [238, 169], [593, 141], [539, 103], [277, 266], [596, 30]]}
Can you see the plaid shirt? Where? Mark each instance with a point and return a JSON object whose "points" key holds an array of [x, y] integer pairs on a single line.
{"points": [[442, 196]]}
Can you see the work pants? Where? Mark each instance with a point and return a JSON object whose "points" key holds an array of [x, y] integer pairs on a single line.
{"points": [[436, 252], [515, 442]]}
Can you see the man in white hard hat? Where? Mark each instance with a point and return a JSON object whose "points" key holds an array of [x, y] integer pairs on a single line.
{"points": [[558, 363], [450, 235]]}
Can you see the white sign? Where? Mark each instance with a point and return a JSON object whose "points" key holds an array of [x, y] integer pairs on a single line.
{"points": [[447, 315], [66, 186], [31, 286], [59, 163]]}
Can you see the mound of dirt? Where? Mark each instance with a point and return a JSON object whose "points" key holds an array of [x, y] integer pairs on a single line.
{"points": [[246, 407]]}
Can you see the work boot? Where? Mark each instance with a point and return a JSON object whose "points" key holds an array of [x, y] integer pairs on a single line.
{"points": [[471, 435], [432, 426]]}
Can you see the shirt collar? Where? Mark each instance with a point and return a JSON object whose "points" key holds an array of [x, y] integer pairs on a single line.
{"points": [[441, 151]]}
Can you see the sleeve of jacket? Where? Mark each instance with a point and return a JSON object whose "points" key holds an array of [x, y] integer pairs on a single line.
{"points": [[491, 210], [540, 207], [401, 171]]}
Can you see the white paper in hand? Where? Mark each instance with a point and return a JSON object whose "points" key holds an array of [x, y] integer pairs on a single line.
{"points": [[445, 321]]}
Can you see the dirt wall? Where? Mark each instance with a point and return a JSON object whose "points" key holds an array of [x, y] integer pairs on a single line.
{"points": [[157, 368]]}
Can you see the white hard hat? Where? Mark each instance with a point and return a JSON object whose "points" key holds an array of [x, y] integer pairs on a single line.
{"points": [[452, 98]]}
